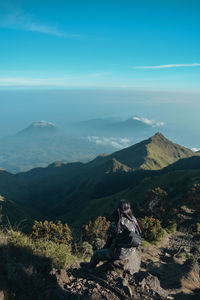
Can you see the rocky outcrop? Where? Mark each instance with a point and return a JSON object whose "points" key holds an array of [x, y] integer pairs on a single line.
{"points": [[2, 296], [98, 284], [130, 265], [151, 283]]}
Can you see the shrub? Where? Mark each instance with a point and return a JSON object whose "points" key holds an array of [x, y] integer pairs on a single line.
{"points": [[56, 232], [59, 253], [192, 197], [198, 227], [151, 228], [98, 244], [96, 230], [1, 213], [171, 228], [157, 201], [196, 252], [85, 250], [19, 240]]}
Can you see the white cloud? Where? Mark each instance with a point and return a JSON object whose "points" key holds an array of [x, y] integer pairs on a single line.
{"points": [[27, 81], [99, 74], [117, 143], [169, 66], [65, 81], [152, 123], [19, 20], [195, 149]]}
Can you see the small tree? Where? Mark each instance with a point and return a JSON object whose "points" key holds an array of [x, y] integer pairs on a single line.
{"points": [[96, 230], [157, 201], [56, 232], [1, 214], [151, 228], [192, 197]]}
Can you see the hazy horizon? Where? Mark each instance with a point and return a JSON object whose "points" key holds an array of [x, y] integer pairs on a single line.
{"points": [[84, 60], [181, 121]]}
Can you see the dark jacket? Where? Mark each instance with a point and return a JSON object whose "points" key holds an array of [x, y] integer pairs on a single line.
{"points": [[119, 234]]}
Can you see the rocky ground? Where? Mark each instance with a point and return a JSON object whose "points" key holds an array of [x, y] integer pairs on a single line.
{"points": [[166, 272]]}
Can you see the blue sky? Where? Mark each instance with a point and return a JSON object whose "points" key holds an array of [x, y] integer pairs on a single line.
{"points": [[137, 44]]}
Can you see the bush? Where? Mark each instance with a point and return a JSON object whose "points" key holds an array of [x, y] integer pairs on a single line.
{"points": [[98, 244], [0, 212], [56, 232], [96, 230], [196, 252], [157, 201], [171, 228], [85, 250], [151, 228], [58, 252], [198, 227], [192, 197], [19, 240]]}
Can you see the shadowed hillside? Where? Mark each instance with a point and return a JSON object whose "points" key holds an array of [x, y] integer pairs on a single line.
{"points": [[67, 190]]}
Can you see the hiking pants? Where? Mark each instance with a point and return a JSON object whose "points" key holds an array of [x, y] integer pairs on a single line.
{"points": [[101, 255]]}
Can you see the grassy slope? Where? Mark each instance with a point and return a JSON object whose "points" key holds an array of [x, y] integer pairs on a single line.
{"points": [[175, 183], [64, 190], [161, 152]]}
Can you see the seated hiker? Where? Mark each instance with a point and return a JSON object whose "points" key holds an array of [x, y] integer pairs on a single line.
{"points": [[123, 236]]}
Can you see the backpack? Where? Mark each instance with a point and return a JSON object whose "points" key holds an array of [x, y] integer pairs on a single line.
{"points": [[127, 238]]}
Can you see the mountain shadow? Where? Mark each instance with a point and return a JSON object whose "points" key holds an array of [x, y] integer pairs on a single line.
{"points": [[27, 276]]}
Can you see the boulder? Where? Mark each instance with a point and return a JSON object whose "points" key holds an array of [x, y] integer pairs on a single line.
{"points": [[130, 265], [2, 295], [151, 284]]}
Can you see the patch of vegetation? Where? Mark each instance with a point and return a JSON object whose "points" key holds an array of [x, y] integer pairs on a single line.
{"points": [[55, 232], [96, 230], [151, 228], [84, 250], [198, 227], [192, 197], [59, 253], [172, 227]]}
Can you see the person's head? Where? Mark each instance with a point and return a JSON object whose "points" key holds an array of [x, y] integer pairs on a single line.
{"points": [[123, 209], [124, 206]]}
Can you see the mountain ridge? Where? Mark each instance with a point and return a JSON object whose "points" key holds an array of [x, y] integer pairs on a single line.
{"points": [[145, 154], [62, 190]]}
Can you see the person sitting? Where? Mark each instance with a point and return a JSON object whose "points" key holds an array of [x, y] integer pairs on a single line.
{"points": [[123, 236]]}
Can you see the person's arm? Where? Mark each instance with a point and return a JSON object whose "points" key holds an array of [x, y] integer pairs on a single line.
{"points": [[111, 232]]}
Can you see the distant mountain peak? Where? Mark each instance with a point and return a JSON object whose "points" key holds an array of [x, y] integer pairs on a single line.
{"points": [[56, 164], [39, 127], [42, 124], [158, 135], [154, 153]]}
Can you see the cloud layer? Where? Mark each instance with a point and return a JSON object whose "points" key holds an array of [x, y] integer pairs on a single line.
{"points": [[168, 66], [117, 143], [152, 123], [65, 81]]}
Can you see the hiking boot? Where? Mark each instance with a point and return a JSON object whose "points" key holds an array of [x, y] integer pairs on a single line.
{"points": [[88, 265], [84, 264]]}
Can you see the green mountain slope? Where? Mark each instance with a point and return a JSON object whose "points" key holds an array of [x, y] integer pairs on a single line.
{"points": [[12, 191], [154, 153], [66, 191], [176, 183]]}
